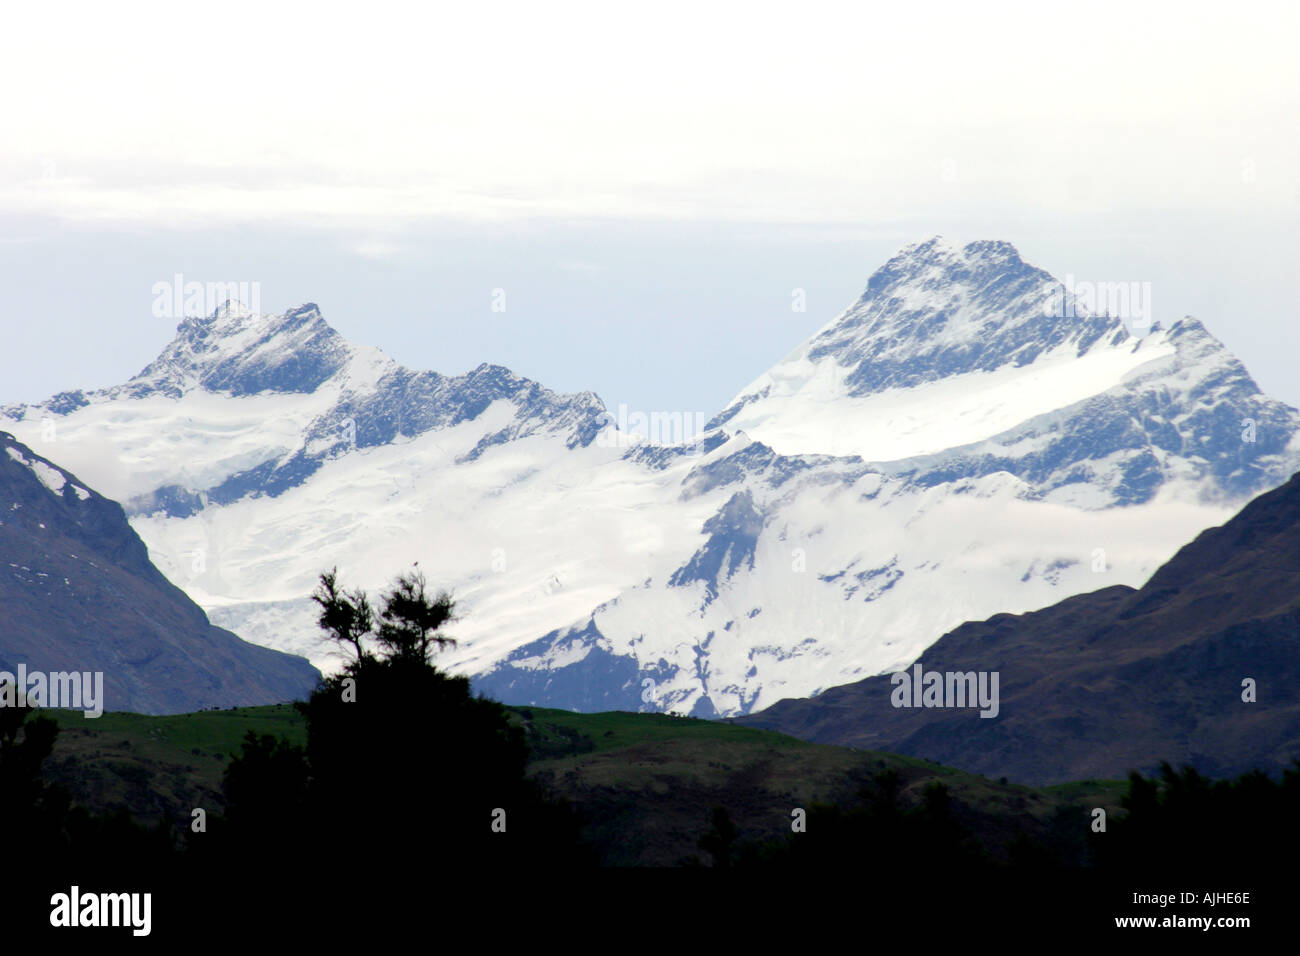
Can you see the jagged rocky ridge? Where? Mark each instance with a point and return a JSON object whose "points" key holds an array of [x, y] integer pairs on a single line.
{"points": [[942, 451]]}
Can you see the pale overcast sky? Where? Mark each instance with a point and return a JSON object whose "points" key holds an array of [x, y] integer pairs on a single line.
{"points": [[647, 184]]}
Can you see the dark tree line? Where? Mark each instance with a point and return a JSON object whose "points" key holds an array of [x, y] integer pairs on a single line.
{"points": [[1178, 823], [46, 835], [1183, 822], [877, 827]]}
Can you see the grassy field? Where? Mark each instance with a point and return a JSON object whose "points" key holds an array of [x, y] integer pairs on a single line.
{"points": [[157, 766], [211, 731], [614, 730]]}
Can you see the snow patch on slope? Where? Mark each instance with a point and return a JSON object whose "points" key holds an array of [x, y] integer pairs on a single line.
{"points": [[806, 407]]}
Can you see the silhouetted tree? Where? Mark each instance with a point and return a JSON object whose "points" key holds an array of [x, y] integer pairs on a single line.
{"points": [[347, 617], [402, 761], [411, 618]]}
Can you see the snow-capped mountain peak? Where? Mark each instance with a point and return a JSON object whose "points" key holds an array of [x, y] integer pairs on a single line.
{"points": [[970, 433], [970, 436], [947, 346], [937, 309], [239, 352], [241, 404]]}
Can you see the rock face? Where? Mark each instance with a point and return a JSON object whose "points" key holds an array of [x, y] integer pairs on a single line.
{"points": [[966, 438], [1117, 679], [78, 593]]}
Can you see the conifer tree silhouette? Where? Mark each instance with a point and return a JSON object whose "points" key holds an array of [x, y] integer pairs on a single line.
{"points": [[402, 761]]}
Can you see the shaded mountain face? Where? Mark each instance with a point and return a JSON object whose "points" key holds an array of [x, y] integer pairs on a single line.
{"points": [[965, 439], [1117, 679], [78, 593]]}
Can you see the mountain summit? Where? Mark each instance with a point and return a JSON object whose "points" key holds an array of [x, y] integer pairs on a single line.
{"points": [[968, 437], [935, 311], [237, 352], [971, 357]]}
